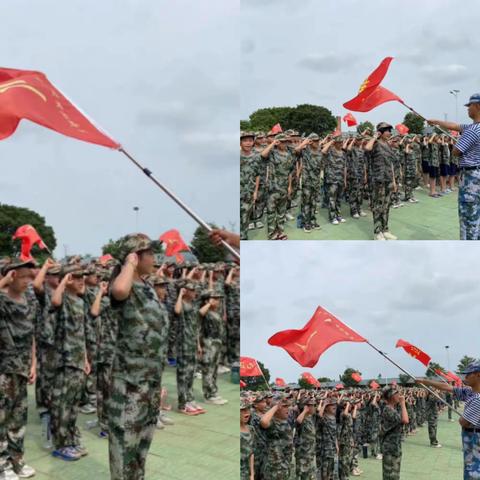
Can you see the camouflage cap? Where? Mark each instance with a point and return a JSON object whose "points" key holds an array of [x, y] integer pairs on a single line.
{"points": [[188, 284], [281, 399], [259, 397], [295, 133], [260, 134], [158, 281], [246, 134], [314, 137], [213, 294], [245, 404], [75, 269], [15, 263], [310, 401], [389, 392], [55, 270], [281, 137], [330, 401], [384, 125], [133, 243], [289, 132]]}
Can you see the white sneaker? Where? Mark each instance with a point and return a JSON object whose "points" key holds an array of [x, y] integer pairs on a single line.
{"points": [[437, 445], [379, 236], [379, 456], [216, 401], [222, 369], [363, 214], [251, 226], [389, 236], [9, 475], [356, 472], [395, 205], [165, 420], [341, 220], [289, 217], [335, 222], [198, 375], [26, 472], [356, 215], [259, 225], [88, 409], [412, 200], [401, 204], [160, 425]]}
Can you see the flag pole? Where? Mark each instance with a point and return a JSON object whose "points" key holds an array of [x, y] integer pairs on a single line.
{"points": [[182, 205], [435, 126], [410, 375]]}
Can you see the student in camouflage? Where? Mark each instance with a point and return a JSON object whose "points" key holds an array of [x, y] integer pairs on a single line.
{"points": [[356, 176], [434, 163], [305, 446], [412, 153], [432, 419], [382, 177], [391, 433], [250, 171], [279, 437], [259, 437], [397, 148], [247, 471], [335, 176], [374, 424], [232, 291], [328, 425], [281, 164], [17, 366], [140, 351], [345, 440]]}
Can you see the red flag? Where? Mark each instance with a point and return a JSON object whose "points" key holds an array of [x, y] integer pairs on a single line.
{"points": [[454, 133], [249, 367], [402, 129], [310, 379], [350, 120], [321, 332], [371, 94], [276, 128], [242, 384], [413, 351], [339, 386], [104, 259], [455, 378], [374, 385], [356, 376], [175, 243], [29, 237], [280, 382], [30, 95]]}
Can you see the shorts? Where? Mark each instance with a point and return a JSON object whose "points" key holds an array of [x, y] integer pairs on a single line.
{"points": [[453, 170], [434, 172], [444, 170], [425, 167]]}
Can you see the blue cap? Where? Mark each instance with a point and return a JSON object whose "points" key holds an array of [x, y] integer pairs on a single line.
{"points": [[475, 98], [472, 368]]}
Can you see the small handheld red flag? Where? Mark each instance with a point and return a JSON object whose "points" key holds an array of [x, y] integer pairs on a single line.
{"points": [[371, 94], [280, 382], [321, 332], [413, 351], [29, 237], [175, 243], [339, 386], [104, 259], [374, 385], [249, 367], [356, 376], [242, 384], [276, 128], [26, 94], [310, 379], [402, 129], [350, 120]]}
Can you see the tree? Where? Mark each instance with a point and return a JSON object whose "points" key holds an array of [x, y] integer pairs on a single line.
{"points": [[258, 383], [11, 218], [203, 248], [302, 382], [361, 127], [434, 366], [245, 125], [324, 379], [346, 377], [464, 361], [265, 118], [404, 379], [414, 123]]}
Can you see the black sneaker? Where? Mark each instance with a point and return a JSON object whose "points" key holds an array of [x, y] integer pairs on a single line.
{"points": [[307, 228], [316, 226]]}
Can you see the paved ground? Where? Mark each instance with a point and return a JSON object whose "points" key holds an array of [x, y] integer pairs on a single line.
{"points": [[430, 219], [202, 447], [420, 461]]}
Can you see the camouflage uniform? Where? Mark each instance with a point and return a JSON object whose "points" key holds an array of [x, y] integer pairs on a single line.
{"points": [[397, 169], [259, 445], [329, 447], [391, 443], [335, 165], [69, 376], [374, 423], [355, 178], [17, 324], [312, 164], [305, 449], [233, 322], [246, 451], [432, 418], [469, 204], [278, 462], [410, 170], [280, 166], [172, 293], [345, 446], [250, 169], [382, 159], [91, 328]]}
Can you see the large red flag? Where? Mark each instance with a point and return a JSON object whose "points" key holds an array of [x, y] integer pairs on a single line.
{"points": [[371, 94], [249, 367], [310, 379], [402, 129], [174, 241], [356, 376], [350, 120], [374, 385], [29, 237], [414, 351], [280, 382], [30, 95], [455, 378], [321, 332]]}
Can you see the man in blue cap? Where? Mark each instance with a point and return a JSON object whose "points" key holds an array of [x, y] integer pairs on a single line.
{"points": [[470, 420], [468, 149]]}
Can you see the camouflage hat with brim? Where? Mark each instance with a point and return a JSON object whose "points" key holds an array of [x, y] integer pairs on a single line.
{"points": [[281, 137], [295, 134], [213, 294], [330, 401], [76, 270], [55, 270], [133, 243], [245, 404], [384, 126], [260, 134], [260, 397], [389, 392], [188, 284], [314, 137], [16, 263], [247, 135], [289, 132]]}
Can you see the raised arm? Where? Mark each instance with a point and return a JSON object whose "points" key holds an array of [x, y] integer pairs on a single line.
{"points": [[122, 285]]}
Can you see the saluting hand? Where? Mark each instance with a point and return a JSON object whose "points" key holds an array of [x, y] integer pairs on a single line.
{"points": [[132, 259]]}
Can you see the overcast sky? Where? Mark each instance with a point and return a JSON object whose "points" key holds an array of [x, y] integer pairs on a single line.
{"points": [[423, 292], [162, 78], [320, 53]]}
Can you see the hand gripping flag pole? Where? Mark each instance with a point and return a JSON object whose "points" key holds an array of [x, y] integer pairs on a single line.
{"points": [[410, 375]]}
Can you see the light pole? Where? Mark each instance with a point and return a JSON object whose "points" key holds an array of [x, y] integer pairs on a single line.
{"points": [[136, 209], [455, 94], [448, 356]]}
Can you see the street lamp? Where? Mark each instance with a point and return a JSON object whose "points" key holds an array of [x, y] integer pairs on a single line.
{"points": [[448, 356], [455, 94], [136, 209]]}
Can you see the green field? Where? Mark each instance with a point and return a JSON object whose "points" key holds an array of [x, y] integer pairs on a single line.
{"points": [[201, 447], [422, 462], [430, 219]]}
